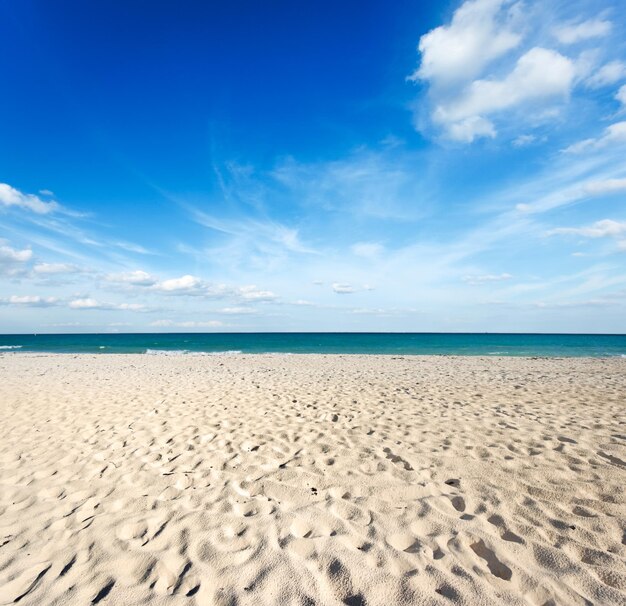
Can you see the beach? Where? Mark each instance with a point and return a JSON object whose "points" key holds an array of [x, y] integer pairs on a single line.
{"points": [[312, 479]]}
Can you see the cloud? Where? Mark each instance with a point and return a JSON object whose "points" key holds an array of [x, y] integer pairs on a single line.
{"points": [[137, 277], [523, 140], [131, 247], [266, 235], [615, 134], [369, 250], [599, 229], [343, 289], [11, 197], [55, 268], [486, 278], [85, 304], [620, 95], [236, 311], [89, 303], [539, 74], [29, 301], [251, 293], [368, 183], [19, 256], [12, 261], [480, 31], [186, 324], [194, 286], [574, 193], [573, 33], [187, 284], [608, 186], [496, 67], [474, 127], [610, 73], [129, 307]]}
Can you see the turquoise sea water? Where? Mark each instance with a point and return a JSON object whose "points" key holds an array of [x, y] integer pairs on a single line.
{"points": [[323, 343]]}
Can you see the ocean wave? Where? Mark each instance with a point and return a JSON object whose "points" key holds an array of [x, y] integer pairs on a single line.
{"points": [[186, 352], [10, 347]]}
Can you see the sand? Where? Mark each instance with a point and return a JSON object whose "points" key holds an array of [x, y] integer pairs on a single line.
{"points": [[359, 480]]}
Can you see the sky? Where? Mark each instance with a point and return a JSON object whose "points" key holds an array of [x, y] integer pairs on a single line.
{"points": [[313, 166]]}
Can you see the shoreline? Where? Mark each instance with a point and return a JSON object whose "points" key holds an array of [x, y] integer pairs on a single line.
{"points": [[385, 356]]}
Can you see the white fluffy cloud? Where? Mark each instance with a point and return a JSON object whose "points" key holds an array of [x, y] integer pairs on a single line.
{"points": [[30, 301], [137, 277], [251, 293], [620, 95], [615, 134], [599, 229], [480, 31], [12, 261], [187, 283], [11, 254], [538, 74], [591, 28], [89, 303], [86, 303], [495, 67], [11, 197]]}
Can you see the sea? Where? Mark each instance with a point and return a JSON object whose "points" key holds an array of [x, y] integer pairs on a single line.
{"points": [[464, 344]]}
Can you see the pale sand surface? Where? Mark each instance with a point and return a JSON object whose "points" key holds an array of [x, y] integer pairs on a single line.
{"points": [[311, 480]]}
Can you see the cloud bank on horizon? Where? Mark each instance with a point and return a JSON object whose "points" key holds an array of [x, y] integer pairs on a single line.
{"points": [[478, 184]]}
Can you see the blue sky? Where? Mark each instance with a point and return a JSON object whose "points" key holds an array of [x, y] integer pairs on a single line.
{"points": [[241, 166]]}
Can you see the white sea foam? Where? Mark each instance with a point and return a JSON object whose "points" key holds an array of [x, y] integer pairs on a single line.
{"points": [[186, 352], [10, 347]]}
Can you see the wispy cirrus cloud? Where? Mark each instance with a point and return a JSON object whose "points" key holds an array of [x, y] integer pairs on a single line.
{"points": [[48, 269], [614, 134], [599, 229], [486, 278], [574, 32]]}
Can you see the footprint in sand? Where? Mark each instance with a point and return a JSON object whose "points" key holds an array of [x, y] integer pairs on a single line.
{"points": [[458, 503], [170, 572], [496, 567]]}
